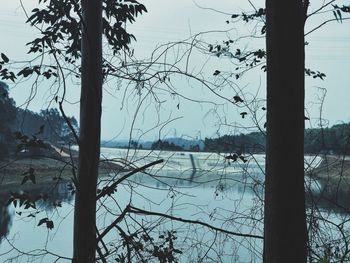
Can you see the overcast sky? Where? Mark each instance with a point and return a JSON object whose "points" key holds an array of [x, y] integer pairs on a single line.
{"points": [[328, 51]]}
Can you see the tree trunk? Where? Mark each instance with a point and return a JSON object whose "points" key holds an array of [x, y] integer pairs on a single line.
{"points": [[285, 220], [90, 129]]}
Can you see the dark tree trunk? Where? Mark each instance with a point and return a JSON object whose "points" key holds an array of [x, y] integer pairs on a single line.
{"points": [[285, 220], [90, 128]]}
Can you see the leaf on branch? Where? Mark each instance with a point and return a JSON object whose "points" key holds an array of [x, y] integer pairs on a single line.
{"points": [[49, 223], [345, 9], [25, 72], [260, 53], [243, 158], [4, 58], [25, 179], [237, 99], [42, 221], [339, 15], [32, 175], [29, 175], [243, 114], [217, 72], [232, 157], [6, 74], [336, 15], [314, 74]]}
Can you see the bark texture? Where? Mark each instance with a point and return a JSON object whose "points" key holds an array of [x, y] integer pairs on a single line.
{"points": [[89, 137], [285, 220]]}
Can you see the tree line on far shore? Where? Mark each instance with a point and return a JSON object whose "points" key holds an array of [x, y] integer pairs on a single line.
{"points": [[331, 140]]}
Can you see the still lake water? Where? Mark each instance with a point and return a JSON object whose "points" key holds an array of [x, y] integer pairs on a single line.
{"points": [[195, 186]]}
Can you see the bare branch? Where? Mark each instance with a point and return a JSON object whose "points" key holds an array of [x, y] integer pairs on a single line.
{"points": [[197, 222]]}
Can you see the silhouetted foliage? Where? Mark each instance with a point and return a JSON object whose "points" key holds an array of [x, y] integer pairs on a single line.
{"points": [[25, 128], [48, 124], [7, 117]]}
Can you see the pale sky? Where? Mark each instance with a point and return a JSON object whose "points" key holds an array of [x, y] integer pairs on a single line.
{"points": [[169, 20]]}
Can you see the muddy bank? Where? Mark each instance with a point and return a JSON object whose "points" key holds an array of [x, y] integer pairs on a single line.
{"points": [[44, 172], [333, 173], [333, 166], [333, 177]]}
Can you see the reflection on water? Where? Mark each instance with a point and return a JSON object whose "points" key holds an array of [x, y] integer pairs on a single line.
{"points": [[5, 220], [14, 204], [331, 196], [227, 196]]}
